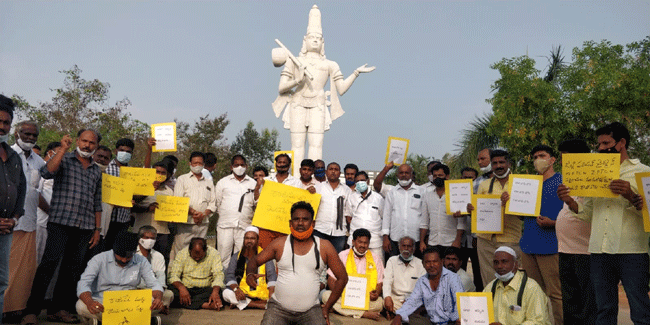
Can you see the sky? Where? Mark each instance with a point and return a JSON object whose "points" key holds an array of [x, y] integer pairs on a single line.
{"points": [[185, 59]]}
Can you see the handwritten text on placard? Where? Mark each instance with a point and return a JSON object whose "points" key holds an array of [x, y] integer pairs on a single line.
{"points": [[127, 307], [589, 174]]}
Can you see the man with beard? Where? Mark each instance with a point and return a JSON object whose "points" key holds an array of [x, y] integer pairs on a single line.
{"points": [[436, 291], [73, 227], [331, 224], [488, 243], [452, 262], [444, 230], [240, 294], [400, 275], [618, 242], [301, 258], [359, 261]]}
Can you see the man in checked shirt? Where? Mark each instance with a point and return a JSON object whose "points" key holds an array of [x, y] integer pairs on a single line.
{"points": [[73, 226]]}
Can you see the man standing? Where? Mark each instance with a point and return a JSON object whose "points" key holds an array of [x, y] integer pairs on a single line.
{"points": [[618, 243], [517, 298], [73, 227], [238, 293], [360, 261], [210, 165], [319, 170], [202, 204], [436, 291], [22, 262], [301, 258], [120, 216], [400, 275], [485, 164], [452, 263], [349, 171], [402, 211], [12, 187], [538, 241], [45, 190], [235, 201], [444, 230], [468, 246], [364, 209], [306, 172], [331, 224], [102, 157], [488, 243]]}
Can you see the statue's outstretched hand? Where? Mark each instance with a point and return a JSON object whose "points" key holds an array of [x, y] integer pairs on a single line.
{"points": [[365, 68]]}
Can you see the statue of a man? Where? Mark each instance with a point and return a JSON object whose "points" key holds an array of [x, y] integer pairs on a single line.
{"points": [[302, 88]]}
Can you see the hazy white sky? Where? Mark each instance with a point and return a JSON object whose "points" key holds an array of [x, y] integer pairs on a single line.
{"points": [[183, 59]]}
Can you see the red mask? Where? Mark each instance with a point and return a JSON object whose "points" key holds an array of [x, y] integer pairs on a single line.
{"points": [[302, 235]]}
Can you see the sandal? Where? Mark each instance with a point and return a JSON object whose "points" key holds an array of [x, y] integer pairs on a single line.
{"points": [[63, 317], [29, 320]]}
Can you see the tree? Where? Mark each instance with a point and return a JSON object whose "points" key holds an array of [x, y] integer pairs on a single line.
{"points": [[257, 147], [473, 139]]}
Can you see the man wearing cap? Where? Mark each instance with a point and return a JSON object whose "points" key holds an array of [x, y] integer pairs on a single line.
{"points": [[238, 293], [114, 270], [517, 298]]}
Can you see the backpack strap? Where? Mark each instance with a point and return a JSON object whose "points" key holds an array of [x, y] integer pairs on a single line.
{"points": [[492, 185]]}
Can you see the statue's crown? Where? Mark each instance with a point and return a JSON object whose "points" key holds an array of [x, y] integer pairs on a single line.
{"points": [[314, 24]]}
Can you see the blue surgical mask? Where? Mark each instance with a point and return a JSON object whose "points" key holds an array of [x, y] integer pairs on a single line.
{"points": [[319, 172], [123, 157], [361, 186], [349, 182]]}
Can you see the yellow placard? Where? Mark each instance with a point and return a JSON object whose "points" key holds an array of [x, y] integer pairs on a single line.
{"points": [[589, 174], [525, 195], [127, 307], [143, 179], [643, 187], [172, 208], [356, 295], [165, 135], [475, 307], [397, 150], [273, 210], [458, 193], [290, 153], [487, 216], [117, 190]]}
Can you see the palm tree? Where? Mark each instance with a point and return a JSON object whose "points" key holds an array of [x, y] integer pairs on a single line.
{"points": [[473, 139]]}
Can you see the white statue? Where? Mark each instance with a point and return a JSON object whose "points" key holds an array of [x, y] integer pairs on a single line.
{"points": [[302, 84]]}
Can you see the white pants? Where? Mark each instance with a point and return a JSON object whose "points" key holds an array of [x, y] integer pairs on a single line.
{"points": [[185, 234], [230, 297], [229, 241]]}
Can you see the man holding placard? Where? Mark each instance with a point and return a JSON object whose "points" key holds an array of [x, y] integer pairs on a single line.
{"points": [[487, 243], [121, 216], [618, 242]]}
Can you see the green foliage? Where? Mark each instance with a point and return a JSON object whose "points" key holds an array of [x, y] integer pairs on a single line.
{"points": [[257, 147], [205, 135], [473, 139], [419, 164]]}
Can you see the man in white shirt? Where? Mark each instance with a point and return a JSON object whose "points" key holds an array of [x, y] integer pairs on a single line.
{"points": [[22, 256], [45, 189], [349, 173], [307, 180], [202, 203], [400, 275], [235, 201], [210, 165], [146, 241], [330, 224], [444, 229], [402, 211], [452, 262], [363, 209]]}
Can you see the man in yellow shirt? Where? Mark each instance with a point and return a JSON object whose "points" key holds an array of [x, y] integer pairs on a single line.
{"points": [[517, 298], [618, 242]]}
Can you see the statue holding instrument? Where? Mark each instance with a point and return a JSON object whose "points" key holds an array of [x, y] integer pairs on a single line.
{"points": [[302, 93]]}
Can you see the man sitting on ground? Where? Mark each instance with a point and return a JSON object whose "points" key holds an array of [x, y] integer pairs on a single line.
{"points": [[401, 273], [146, 241], [238, 293], [196, 276]]}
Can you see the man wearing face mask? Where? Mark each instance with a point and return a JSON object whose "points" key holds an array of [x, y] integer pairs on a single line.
{"points": [[349, 171], [202, 203], [485, 166], [517, 298], [444, 230], [120, 216], [319, 170], [429, 186], [363, 209], [538, 242], [331, 224], [618, 245], [102, 157], [146, 242], [403, 208], [73, 227], [400, 275], [235, 202], [487, 243], [22, 260]]}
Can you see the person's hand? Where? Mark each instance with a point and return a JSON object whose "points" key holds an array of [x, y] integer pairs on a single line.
{"points": [[251, 279], [374, 295], [156, 304], [153, 207], [637, 201], [397, 320], [470, 207], [365, 68], [311, 189], [66, 142], [185, 297], [239, 294], [457, 214], [7, 225], [386, 245], [150, 143], [94, 307], [456, 243], [504, 198], [564, 193], [622, 188], [388, 304], [326, 314], [423, 246], [198, 217], [389, 165], [545, 222], [215, 300], [94, 240]]}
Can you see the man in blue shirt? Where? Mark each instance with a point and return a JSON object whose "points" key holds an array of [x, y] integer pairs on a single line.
{"points": [[436, 290], [539, 242], [113, 270]]}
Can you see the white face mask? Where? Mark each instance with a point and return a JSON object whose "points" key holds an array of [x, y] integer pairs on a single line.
{"points": [[123, 157], [239, 170], [487, 168], [84, 154], [405, 182], [196, 169], [147, 243], [506, 277], [4, 138], [431, 178], [101, 167], [26, 146], [504, 174]]}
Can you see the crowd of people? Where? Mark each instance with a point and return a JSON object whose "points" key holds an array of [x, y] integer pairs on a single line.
{"points": [[563, 266]]}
